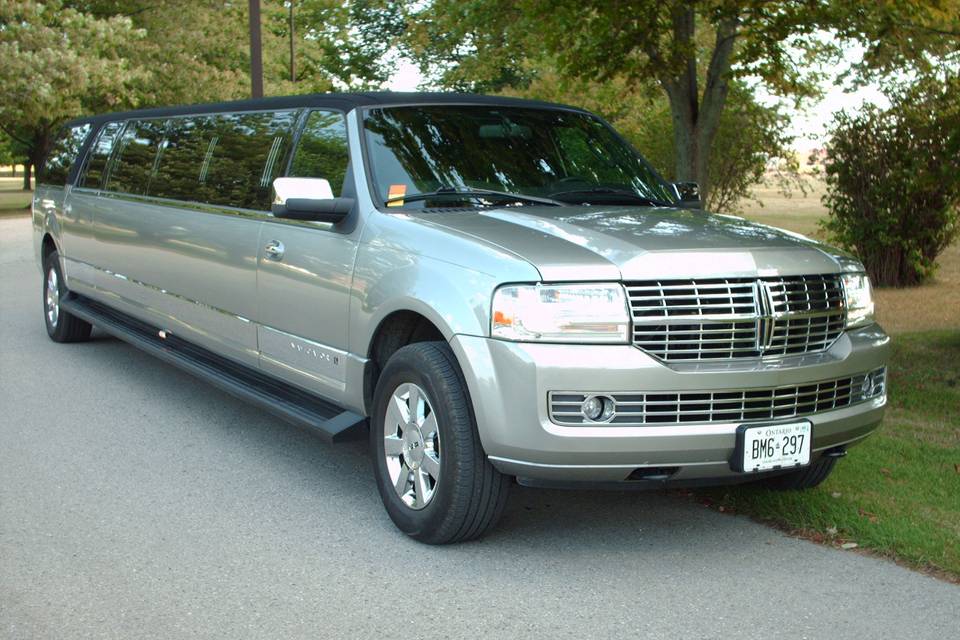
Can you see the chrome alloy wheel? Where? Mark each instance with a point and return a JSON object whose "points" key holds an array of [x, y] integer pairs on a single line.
{"points": [[411, 444], [53, 297]]}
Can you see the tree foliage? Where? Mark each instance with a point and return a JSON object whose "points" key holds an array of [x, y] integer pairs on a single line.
{"points": [[58, 63], [9, 154], [893, 181], [691, 49], [64, 58], [198, 51]]}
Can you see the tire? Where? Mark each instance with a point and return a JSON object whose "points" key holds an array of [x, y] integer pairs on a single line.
{"points": [[805, 478], [467, 496], [61, 326]]}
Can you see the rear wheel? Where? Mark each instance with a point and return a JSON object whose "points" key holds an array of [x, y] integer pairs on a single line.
{"points": [[61, 325], [805, 478], [432, 473]]}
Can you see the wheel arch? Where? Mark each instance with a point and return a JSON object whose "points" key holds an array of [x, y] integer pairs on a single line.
{"points": [[397, 329], [47, 246]]}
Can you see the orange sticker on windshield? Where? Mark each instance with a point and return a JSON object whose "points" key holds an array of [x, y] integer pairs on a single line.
{"points": [[395, 195]]}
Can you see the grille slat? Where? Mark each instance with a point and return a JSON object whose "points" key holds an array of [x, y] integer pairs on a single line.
{"points": [[637, 408], [725, 318]]}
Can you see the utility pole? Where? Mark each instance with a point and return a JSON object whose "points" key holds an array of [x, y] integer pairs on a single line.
{"points": [[293, 64], [256, 51]]}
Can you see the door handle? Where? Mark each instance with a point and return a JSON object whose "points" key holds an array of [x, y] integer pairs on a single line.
{"points": [[274, 250]]}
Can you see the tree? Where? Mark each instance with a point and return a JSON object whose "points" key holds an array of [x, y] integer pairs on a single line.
{"points": [[893, 181], [691, 49], [58, 63]]}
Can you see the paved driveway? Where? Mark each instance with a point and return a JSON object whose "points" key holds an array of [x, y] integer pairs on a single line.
{"points": [[137, 502]]}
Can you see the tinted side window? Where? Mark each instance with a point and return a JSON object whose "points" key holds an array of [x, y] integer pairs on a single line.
{"points": [[239, 167], [63, 154], [322, 150], [184, 161], [137, 157], [98, 156]]}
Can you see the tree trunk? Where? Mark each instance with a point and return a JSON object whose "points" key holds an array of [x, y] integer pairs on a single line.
{"points": [[696, 118], [691, 141], [27, 166]]}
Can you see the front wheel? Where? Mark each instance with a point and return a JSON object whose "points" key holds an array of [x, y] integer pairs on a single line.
{"points": [[432, 473]]}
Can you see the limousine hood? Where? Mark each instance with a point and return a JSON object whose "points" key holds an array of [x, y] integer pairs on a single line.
{"points": [[638, 243]]}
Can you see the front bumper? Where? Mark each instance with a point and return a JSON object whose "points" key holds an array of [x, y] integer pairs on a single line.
{"points": [[509, 384]]}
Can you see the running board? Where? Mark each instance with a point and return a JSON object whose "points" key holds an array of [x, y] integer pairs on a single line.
{"points": [[303, 409]]}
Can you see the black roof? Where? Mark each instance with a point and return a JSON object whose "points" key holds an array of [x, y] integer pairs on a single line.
{"points": [[341, 101]]}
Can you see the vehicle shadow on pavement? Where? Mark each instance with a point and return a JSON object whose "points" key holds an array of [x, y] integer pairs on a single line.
{"points": [[342, 471]]}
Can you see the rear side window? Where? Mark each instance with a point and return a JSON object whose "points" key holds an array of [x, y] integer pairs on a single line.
{"points": [[224, 159], [99, 154], [322, 150], [249, 154], [184, 162], [137, 157], [63, 154]]}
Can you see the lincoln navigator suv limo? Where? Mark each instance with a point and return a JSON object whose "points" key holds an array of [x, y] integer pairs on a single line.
{"points": [[490, 290]]}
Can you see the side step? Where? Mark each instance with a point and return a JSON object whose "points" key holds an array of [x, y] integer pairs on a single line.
{"points": [[303, 409]]}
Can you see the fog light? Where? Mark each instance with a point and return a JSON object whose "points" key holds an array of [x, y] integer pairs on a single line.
{"points": [[597, 408], [873, 384], [877, 382]]}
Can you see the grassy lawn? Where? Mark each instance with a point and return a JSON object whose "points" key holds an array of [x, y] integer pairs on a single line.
{"points": [[13, 200], [898, 493]]}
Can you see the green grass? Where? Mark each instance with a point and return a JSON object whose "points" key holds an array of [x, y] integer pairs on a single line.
{"points": [[898, 493], [13, 200]]}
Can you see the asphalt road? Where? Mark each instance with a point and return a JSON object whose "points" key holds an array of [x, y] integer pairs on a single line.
{"points": [[136, 502]]}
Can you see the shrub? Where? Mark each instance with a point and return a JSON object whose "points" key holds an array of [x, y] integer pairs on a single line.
{"points": [[893, 181]]}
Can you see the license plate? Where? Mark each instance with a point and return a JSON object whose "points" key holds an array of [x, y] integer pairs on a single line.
{"points": [[772, 446]]}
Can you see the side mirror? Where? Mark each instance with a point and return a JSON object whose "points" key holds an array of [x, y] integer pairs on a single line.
{"points": [[688, 193], [308, 199]]}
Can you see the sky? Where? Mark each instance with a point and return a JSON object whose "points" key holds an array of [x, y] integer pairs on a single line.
{"points": [[808, 125]]}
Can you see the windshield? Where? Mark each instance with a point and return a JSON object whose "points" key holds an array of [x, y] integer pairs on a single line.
{"points": [[442, 152]]}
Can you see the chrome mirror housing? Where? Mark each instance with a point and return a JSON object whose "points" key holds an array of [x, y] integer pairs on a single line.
{"points": [[308, 199], [306, 188]]}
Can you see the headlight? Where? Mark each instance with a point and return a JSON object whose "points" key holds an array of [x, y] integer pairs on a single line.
{"points": [[561, 313], [859, 299]]}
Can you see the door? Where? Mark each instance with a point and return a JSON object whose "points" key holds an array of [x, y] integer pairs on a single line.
{"points": [[305, 271], [179, 236]]}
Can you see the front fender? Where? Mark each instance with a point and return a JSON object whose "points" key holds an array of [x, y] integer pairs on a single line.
{"points": [[406, 265], [455, 299]]}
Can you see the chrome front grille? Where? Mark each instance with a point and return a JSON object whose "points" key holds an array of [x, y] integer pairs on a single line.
{"points": [[664, 408], [723, 318]]}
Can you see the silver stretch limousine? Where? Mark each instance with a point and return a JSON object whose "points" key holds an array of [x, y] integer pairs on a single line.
{"points": [[489, 289]]}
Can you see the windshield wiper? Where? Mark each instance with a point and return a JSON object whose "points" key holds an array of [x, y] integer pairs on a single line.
{"points": [[613, 192], [475, 194]]}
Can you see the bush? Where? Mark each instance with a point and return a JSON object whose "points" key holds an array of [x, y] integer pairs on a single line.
{"points": [[893, 181]]}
